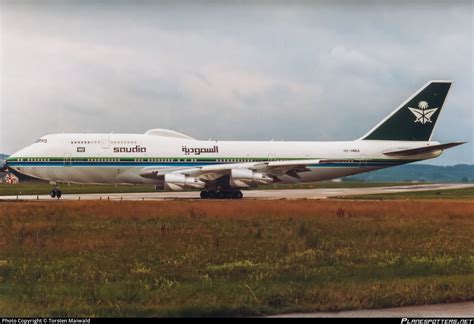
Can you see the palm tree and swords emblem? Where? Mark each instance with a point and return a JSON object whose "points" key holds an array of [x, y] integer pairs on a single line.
{"points": [[423, 114]]}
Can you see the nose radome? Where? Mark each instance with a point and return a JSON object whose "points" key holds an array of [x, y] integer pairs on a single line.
{"points": [[24, 152], [14, 155]]}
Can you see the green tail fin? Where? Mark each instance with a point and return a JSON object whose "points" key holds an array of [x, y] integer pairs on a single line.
{"points": [[415, 119]]}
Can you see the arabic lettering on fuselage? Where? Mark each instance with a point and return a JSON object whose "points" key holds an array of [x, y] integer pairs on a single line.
{"points": [[199, 150]]}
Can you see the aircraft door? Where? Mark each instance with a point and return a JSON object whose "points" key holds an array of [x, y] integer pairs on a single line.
{"points": [[105, 141], [271, 157], [363, 161], [67, 160]]}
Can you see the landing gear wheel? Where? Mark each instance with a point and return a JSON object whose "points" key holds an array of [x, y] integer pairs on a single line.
{"points": [[224, 194], [236, 194], [55, 193]]}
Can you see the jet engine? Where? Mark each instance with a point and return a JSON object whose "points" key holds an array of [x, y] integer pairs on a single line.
{"points": [[244, 178], [178, 182]]}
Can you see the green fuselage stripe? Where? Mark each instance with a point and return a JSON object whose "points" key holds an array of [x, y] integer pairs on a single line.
{"points": [[186, 159]]}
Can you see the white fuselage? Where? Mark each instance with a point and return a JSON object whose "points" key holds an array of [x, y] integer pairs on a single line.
{"points": [[120, 158]]}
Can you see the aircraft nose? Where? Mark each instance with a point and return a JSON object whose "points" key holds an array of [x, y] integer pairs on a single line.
{"points": [[21, 153], [5, 164]]}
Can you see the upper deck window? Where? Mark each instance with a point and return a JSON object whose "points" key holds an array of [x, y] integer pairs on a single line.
{"points": [[42, 140]]}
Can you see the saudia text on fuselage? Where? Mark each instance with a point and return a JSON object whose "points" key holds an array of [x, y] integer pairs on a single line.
{"points": [[135, 149], [199, 150]]}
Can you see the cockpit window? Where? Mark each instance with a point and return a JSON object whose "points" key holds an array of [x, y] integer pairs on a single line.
{"points": [[42, 140]]}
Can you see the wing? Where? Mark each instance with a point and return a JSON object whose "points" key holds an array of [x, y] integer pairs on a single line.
{"points": [[213, 172]]}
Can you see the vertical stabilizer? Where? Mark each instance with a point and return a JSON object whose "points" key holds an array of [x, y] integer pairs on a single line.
{"points": [[415, 119]]}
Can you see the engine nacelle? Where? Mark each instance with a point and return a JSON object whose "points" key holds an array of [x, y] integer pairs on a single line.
{"points": [[178, 182], [244, 178]]}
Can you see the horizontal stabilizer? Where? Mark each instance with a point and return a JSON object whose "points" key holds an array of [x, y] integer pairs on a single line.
{"points": [[424, 149]]}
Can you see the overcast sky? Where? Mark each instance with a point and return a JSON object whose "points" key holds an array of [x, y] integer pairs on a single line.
{"points": [[238, 70]]}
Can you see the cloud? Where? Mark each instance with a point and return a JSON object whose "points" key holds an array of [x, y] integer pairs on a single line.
{"points": [[299, 71]]}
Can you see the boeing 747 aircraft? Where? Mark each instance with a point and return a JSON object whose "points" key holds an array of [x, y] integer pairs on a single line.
{"points": [[174, 161]]}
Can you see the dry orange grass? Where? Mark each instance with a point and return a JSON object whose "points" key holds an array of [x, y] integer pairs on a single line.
{"points": [[124, 258], [250, 208]]}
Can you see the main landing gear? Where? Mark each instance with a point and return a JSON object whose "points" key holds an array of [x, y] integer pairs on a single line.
{"points": [[55, 193], [227, 194]]}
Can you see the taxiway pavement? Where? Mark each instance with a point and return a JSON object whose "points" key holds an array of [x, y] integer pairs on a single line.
{"points": [[451, 310], [318, 193]]}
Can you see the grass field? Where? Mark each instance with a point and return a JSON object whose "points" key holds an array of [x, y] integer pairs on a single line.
{"points": [[43, 188], [457, 194], [231, 258]]}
